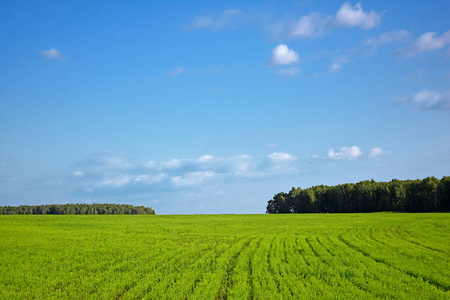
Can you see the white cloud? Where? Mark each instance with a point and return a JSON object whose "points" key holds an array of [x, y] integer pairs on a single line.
{"points": [[288, 71], [351, 153], [230, 18], [51, 53], [345, 153], [176, 71], [78, 173], [192, 179], [281, 157], [312, 25], [354, 16], [282, 55], [336, 64], [376, 152], [429, 100], [389, 37], [429, 41]]}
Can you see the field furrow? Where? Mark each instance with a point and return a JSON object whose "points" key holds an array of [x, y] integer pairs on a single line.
{"points": [[348, 256]]}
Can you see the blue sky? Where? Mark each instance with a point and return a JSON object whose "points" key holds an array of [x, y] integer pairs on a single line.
{"points": [[208, 107]]}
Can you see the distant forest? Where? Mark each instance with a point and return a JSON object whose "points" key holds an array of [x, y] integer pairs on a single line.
{"points": [[77, 209], [427, 195]]}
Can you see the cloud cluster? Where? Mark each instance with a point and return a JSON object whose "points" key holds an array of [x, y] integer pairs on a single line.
{"points": [[350, 153], [429, 41], [311, 25], [315, 25], [110, 172], [428, 100], [51, 54]]}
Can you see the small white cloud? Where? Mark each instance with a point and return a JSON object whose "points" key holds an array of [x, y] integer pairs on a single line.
{"points": [[78, 173], [282, 55], [375, 152], [345, 153], [354, 16], [281, 157], [350, 153], [429, 41], [177, 71], [429, 100], [230, 18], [336, 64], [288, 71], [312, 25], [51, 53]]}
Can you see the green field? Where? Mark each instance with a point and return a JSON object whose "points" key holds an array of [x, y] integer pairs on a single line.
{"points": [[302, 256]]}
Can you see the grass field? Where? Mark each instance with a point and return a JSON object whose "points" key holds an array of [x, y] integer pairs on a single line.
{"points": [[328, 256]]}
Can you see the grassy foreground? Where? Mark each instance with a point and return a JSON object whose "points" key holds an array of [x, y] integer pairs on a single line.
{"points": [[329, 256]]}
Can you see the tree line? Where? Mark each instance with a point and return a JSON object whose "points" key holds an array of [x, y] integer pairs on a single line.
{"points": [[427, 195], [77, 209]]}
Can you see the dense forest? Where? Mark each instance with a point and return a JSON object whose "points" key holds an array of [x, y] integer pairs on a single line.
{"points": [[77, 209], [427, 195]]}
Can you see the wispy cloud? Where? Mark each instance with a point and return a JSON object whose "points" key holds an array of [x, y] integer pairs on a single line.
{"points": [[390, 37], [176, 71], [429, 41], [227, 19], [209, 71], [4, 160], [282, 55], [336, 64], [51, 54], [288, 71], [430, 100], [192, 179], [310, 26], [350, 153]]}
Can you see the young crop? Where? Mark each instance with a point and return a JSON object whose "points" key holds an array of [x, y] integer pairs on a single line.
{"points": [[314, 256]]}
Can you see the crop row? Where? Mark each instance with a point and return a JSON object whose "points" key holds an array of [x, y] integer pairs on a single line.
{"points": [[157, 258]]}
